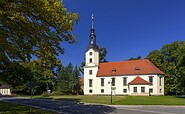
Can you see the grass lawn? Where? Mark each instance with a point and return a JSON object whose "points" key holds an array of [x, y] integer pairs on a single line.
{"points": [[125, 100], [89, 99], [151, 100], [9, 108]]}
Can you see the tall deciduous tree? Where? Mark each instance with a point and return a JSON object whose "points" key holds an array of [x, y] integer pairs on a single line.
{"points": [[33, 27], [171, 60]]}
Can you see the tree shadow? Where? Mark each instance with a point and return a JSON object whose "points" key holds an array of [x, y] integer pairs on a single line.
{"points": [[182, 97], [66, 105]]}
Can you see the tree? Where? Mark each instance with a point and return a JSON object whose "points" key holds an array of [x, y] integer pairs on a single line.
{"points": [[103, 53], [75, 81], [42, 77], [68, 81], [171, 60], [64, 79], [18, 78], [33, 28], [137, 58]]}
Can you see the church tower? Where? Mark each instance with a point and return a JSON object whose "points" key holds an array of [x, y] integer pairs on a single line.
{"points": [[92, 52], [91, 63]]}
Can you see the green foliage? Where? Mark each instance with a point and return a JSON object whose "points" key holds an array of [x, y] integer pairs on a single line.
{"points": [[75, 81], [57, 93], [137, 58], [45, 94], [32, 28], [16, 75], [103, 53], [68, 80], [81, 68], [171, 60], [40, 75]]}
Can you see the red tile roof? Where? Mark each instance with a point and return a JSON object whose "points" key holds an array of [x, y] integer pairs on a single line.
{"points": [[82, 81], [131, 67], [139, 81]]}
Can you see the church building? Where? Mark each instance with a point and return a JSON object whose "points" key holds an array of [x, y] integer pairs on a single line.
{"points": [[132, 77]]}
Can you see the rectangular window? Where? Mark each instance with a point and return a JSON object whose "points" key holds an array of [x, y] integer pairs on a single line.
{"points": [[102, 81], [124, 90], [90, 91], [90, 72], [150, 90], [160, 78], [135, 89], [90, 83], [102, 90], [151, 79], [90, 60], [124, 81], [142, 89], [113, 81], [90, 53]]}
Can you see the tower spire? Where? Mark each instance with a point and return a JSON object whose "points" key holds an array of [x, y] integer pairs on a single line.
{"points": [[92, 21], [92, 35], [92, 41]]}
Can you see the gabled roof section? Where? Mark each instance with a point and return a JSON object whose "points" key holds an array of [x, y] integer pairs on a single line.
{"points": [[5, 86], [131, 67], [139, 81]]}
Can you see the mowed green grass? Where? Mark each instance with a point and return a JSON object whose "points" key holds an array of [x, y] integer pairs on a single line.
{"points": [[126, 100], [151, 100], [9, 108], [88, 99]]}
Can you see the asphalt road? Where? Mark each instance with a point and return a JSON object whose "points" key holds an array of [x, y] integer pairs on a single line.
{"points": [[71, 107]]}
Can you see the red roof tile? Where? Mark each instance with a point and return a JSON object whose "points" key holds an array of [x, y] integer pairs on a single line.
{"points": [[82, 81], [138, 80], [131, 67]]}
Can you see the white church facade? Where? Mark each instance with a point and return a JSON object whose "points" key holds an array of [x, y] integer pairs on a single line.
{"points": [[132, 77]]}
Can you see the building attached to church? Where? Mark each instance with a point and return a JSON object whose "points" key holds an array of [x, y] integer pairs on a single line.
{"points": [[132, 77], [5, 90]]}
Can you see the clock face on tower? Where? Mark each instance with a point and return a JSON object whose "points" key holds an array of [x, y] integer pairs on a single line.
{"points": [[91, 42]]}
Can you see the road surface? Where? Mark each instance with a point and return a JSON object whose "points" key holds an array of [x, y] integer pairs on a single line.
{"points": [[71, 107]]}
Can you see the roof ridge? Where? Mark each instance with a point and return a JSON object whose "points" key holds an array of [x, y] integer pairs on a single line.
{"points": [[125, 61]]}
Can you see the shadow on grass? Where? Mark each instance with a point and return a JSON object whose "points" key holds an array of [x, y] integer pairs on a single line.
{"points": [[10, 108], [182, 96]]}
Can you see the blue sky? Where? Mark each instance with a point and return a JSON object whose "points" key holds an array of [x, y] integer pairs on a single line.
{"points": [[126, 28]]}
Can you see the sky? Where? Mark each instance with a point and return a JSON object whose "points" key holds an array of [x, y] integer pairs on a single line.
{"points": [[126, 28]]}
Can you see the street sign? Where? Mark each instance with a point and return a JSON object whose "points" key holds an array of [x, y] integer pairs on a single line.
{"points": [[31, 85]]}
